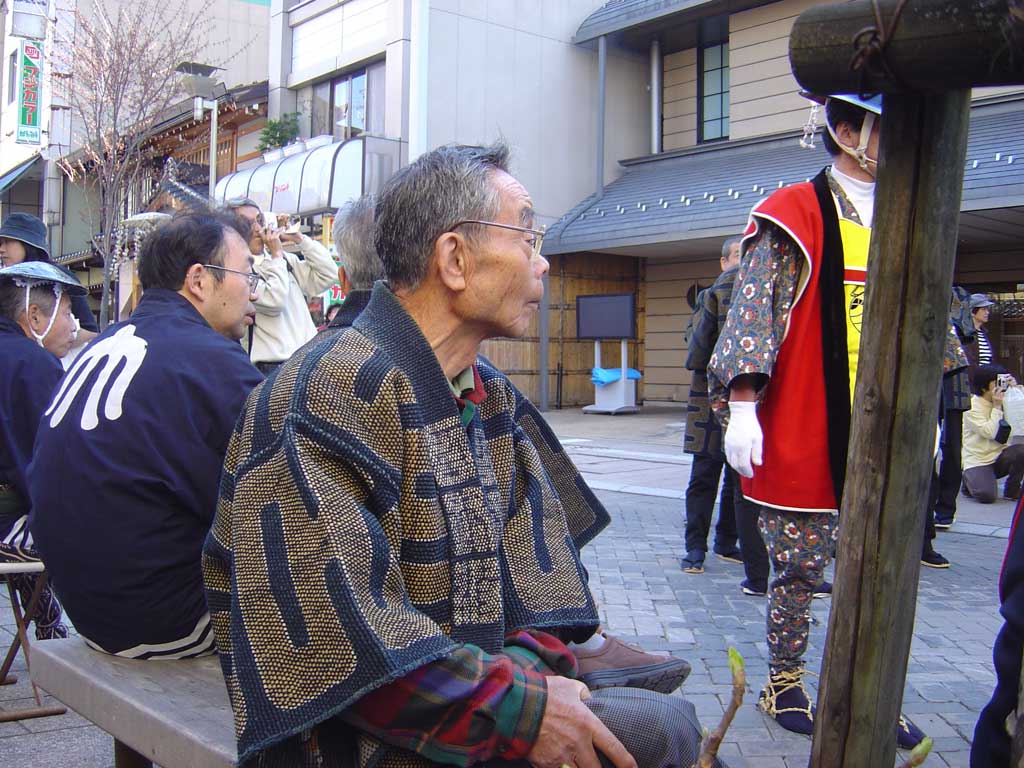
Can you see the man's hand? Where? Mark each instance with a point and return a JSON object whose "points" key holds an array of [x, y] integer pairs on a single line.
{"points": [[570, 734], [291, 238], [744, 440], [272, 240]]}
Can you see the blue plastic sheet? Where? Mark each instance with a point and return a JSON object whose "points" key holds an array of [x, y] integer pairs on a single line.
{"points": [[602, 376]]}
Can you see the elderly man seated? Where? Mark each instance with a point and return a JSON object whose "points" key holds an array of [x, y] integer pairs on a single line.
{"points": [[36, 328], [391, 574], [127, 460]]}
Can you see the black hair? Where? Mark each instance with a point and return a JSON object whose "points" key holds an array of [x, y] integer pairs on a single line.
{"points": [[32, 253], [985, 375], [187, 239], [838, 111], [12, 299]]}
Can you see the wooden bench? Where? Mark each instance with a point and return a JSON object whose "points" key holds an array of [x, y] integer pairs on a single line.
{"points": [[172, 713]]}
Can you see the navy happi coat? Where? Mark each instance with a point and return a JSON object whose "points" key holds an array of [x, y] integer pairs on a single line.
{"points": [[127, 465]]}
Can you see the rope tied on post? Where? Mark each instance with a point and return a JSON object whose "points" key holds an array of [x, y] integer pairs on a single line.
{"points": [[870, 45]]}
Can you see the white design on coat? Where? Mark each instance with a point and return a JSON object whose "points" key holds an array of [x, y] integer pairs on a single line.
{"points": [[111, 351]]}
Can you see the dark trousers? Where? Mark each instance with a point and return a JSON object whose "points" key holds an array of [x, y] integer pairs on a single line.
{"points": [[951, 467], [755, 554], [929, 519], [700, 505], [981, 481]]}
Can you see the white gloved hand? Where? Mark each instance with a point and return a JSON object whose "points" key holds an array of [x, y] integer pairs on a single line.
{"points": [[743, 438]]}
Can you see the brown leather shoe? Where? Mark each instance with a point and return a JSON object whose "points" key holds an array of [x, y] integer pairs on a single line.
{"points": [[619, 665]]}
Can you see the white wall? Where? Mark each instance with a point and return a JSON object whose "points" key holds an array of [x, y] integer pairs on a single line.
{"points": [[11, 153], [319, 41], [509, 68]]}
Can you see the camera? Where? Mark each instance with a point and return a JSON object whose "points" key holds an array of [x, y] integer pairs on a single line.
{"points": [[1003, 382]]}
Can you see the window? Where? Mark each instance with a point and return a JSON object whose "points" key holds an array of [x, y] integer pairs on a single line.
{"points": [[713, 81], [350, 104], [320, 109], [12, 78]]}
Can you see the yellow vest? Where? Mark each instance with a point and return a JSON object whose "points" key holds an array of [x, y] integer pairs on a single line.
{"points": [[856, 239]]}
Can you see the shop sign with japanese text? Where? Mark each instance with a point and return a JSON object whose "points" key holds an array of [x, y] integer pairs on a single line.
{"points": [[30, 94]]}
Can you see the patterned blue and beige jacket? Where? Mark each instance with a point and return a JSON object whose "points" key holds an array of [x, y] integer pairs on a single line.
{"points": [[363, 532]]}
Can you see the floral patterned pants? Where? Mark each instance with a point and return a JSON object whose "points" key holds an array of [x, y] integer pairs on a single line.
{"points": [[800, 545]]}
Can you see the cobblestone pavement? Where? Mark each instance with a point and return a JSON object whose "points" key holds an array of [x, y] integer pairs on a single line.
{"points": [[635, 575], [634, 567]]}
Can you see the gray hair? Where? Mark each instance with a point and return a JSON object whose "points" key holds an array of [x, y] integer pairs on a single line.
{"points": [[427, 198], [728, 244], [12, 299], [354, 238]]}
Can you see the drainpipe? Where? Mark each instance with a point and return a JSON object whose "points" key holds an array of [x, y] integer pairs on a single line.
{"points": [[544, 332], [602, 76], [656, 97]]}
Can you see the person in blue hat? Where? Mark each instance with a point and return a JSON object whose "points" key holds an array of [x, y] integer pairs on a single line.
{"points": [[788, 356], [35, 329], [23, 239]]}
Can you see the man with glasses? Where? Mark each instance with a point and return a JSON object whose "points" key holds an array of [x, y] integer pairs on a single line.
{"points": [[124, 476], [394, 570], [283, 323]]}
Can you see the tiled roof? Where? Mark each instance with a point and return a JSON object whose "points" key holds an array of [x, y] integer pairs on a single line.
{"points": [[618, 15], [709, 190]]}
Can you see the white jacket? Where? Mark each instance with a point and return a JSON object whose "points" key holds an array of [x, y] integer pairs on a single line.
{"points": [[283, 322], [981, 424]]}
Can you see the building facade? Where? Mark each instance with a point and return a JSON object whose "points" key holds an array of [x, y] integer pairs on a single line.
{"points": [[234, 38], [645, 131]]}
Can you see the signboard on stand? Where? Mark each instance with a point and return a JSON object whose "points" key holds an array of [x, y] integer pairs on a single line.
{"points": [[30, 61]]}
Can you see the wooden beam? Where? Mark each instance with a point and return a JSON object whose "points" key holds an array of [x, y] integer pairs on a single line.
{"points": [[895, 410], [937, 45]]}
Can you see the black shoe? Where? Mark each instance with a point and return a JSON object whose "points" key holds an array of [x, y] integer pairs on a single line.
{"points": [[1011, 493], [823, 590], [933, 559], [730, 556], [908, 735], [693, 562], [943, 524], [756, 590]]}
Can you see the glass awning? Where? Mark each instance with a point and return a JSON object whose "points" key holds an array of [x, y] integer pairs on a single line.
{"points": [[316, 181]]}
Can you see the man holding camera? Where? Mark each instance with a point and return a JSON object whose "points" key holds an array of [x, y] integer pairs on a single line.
{"points": [[987, 457], [283, 323]]}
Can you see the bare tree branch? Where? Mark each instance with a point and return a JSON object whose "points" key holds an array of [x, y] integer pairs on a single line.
{"points": [[123, 84]]}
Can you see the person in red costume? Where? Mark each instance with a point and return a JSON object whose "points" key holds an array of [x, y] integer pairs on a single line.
{"points": [[781, 379]]}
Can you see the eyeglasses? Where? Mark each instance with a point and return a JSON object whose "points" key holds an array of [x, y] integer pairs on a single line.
{"points": [[255, 280], [535, 243]]}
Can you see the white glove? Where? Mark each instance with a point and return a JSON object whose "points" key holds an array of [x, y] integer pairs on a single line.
{"points": [[743, 438]]}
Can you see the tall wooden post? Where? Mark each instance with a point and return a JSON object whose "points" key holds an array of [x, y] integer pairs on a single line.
{"points": [[895, 411], [927, 55]]}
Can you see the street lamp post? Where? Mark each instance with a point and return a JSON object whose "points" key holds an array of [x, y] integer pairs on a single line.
{"points": [[199, 105], [204, 89]]}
